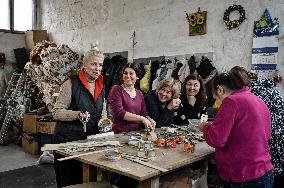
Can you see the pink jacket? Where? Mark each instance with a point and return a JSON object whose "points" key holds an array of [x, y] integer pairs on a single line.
{"points": [[240, 134]]}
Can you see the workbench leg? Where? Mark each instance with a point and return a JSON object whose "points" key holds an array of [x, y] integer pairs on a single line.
{"points": [[204, 166], [152, 183], [89, 173], [99, 174]]}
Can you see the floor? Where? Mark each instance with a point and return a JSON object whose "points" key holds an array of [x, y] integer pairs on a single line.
{"points": [[12, 157], [19, 169]]}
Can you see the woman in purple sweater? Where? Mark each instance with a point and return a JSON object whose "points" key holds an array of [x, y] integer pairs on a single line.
{"points": [[240, 134], [127, 103]]}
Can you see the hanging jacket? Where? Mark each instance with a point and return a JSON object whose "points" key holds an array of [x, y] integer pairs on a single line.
{"points": [[170, 68], [154, 68], [145, 81], [175, 72], [266, 90], [3, 82], [116, 63], [161, 72], [184, 70], [192, 64]]}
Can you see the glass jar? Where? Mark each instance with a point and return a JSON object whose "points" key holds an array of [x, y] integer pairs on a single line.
{"points": [[188, 146], [141, 152], [148, 145], [151, 153]]}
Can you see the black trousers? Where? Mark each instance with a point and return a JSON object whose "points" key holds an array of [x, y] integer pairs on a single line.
{"points": [[121, 181], [69, 172]]}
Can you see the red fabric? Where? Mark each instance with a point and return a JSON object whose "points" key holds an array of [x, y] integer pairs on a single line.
{"points": [[98, 84]]}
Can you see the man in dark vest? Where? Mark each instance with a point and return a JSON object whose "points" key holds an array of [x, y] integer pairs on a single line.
{"points": [[80, 97]]}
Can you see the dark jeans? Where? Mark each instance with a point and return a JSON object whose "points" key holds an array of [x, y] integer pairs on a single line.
{"points": [[279, 180], [265, 181]]}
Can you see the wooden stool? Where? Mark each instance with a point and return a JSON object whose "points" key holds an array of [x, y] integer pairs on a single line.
{"points": [[91, 185]]}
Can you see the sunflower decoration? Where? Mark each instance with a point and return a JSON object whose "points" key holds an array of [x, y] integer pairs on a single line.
{"points": [[192, 22], [200, 20], [197, 23], [192, 17]]}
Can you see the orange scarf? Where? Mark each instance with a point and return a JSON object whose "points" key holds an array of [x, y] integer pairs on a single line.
{"points": [[98, 84]]}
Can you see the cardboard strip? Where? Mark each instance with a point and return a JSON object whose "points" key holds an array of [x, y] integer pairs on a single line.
{"points": [[83, 154], [50, 147]]}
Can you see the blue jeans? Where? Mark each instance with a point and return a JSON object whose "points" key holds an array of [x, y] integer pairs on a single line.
{"points": [[265, 181]]}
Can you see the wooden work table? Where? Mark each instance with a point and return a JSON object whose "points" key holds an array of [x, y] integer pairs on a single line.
{"points": [[170, 159]]}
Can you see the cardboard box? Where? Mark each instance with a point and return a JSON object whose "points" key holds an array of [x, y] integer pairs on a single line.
{"points": [[31, 147], [45, 127], [35, 36], [30, 123]]}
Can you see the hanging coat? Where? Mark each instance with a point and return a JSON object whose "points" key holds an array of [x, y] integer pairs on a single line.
{"points": [[270, 94]]}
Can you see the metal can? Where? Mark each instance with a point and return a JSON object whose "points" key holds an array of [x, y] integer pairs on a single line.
{"points": [[141, 152], [133, 142], [148, 145], [160, 141], [151, 153], [188, 147]]}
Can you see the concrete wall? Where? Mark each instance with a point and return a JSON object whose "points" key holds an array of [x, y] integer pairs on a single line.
{"points": [[8, 42], [160, 25]]}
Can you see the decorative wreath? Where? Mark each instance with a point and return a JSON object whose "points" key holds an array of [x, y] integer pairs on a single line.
{"points": [[231, 24]]}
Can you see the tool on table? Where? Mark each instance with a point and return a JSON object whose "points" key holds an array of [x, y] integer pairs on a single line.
{"points": [[129, 156], [144, 163], [85, 120]]}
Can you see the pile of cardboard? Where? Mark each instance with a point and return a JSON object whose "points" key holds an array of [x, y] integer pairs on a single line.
{"points": [[36, 133]]}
